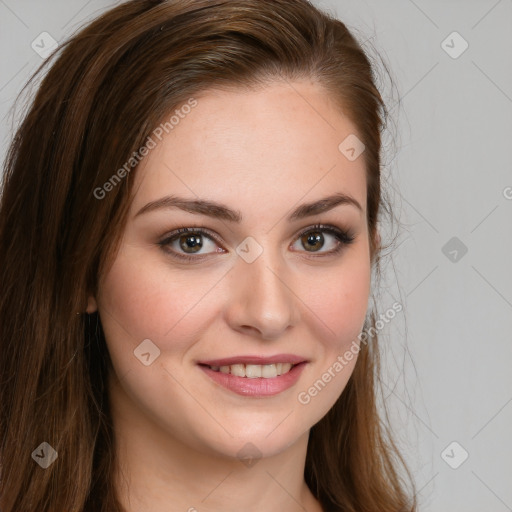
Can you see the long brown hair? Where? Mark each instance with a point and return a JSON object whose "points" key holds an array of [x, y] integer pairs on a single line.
{"points": [[107, 89]]}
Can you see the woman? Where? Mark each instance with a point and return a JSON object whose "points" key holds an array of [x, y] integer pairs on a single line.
{"points": [[200, 181]]}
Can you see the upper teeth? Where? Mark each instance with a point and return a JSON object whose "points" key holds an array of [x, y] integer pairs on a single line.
{"points": [[253, 371]]}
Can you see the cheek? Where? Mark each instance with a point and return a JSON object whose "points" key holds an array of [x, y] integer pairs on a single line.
{"points": [[339, 299], [142, 299], [339, 314]]}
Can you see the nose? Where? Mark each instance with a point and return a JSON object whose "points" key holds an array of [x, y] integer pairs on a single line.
{"points": [[262, 300]]}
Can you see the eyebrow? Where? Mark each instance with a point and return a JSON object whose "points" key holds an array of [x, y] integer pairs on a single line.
{"points": [[220, 211]]}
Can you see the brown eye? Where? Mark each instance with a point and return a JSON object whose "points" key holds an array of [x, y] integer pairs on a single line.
{"points": [[312, 241], [191, 243]]}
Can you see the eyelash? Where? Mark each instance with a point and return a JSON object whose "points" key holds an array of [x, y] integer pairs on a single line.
{"points": [[344, 237]]}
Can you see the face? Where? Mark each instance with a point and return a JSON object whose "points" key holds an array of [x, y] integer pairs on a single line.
{"points": [[257, 278]]}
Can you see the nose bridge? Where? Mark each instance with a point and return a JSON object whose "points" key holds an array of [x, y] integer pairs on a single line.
{"points": [[262, 298]]}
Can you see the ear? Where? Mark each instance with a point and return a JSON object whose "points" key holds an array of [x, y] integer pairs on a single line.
{"points": [[92, 306]]}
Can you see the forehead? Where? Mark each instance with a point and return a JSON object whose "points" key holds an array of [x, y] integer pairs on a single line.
{"points": [[277, 143]]}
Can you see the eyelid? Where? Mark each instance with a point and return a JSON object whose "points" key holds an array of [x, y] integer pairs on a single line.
{"points": [[324, 227], [192, 229]]}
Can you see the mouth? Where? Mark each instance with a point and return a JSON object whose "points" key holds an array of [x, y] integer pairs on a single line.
{"points": [[255, 376], [253, 367]]}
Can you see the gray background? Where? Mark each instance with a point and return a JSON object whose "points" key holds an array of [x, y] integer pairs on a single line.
{"points": [[448, 168]]}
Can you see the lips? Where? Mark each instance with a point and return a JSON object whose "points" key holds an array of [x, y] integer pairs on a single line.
{"points": [[255, 376], [254, 387]]}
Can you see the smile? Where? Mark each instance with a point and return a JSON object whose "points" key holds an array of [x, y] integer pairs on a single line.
{"points": [[253, 380]]}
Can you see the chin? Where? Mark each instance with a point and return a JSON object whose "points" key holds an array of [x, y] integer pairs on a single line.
{"points": [[258, 439]]}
